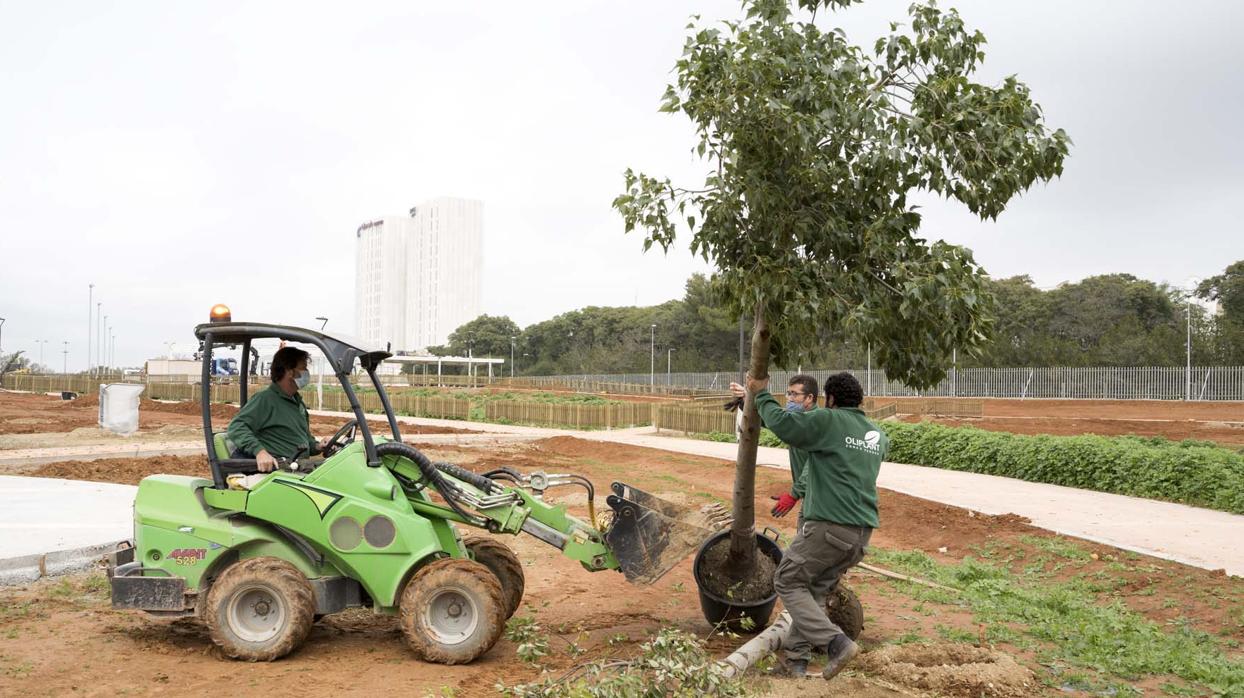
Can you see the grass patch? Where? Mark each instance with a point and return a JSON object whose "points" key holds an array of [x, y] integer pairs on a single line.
{"points": [[1198, 473], [1074, 625]]}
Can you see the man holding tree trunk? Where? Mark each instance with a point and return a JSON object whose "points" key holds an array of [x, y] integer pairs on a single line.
{"points": [[839, 511]]}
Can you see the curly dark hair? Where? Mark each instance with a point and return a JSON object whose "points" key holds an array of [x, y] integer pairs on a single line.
{"points": [[844, 389], [286, 359]]}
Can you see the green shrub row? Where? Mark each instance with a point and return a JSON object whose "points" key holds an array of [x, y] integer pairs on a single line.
{"points": [[1197, 473]]}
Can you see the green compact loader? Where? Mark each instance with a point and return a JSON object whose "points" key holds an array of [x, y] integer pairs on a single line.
{"points": [[374, 522]]}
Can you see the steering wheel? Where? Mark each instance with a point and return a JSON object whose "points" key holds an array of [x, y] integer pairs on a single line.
{"points": [[336, 443]]}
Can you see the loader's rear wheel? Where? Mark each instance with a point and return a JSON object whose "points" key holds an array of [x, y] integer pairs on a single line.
{"points": [[844, 609], [498, 557], [260, 609], [452, 611]]}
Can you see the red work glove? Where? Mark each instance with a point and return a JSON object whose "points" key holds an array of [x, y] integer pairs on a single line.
{"points": [[784, 504]]}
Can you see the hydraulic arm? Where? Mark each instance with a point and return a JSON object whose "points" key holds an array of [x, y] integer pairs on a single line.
{"points": [[644, 538]]}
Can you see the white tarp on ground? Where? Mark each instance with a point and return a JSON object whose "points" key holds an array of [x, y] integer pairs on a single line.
{"points": [[118, 407]]}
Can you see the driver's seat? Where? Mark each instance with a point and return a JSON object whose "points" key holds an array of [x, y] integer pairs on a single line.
{"points": [[223, 444]]}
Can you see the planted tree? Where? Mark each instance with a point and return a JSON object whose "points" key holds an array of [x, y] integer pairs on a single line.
{"points": [[812, 147]]}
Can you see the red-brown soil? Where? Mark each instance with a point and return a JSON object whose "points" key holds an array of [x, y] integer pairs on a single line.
{"points": [[1225, 433], [59, 636], [1222, 422]]}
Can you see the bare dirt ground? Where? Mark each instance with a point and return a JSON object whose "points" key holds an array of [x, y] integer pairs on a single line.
{"points": [[1222, 422], [59, 636]]}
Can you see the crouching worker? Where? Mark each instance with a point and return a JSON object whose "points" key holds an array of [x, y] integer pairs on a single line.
{"points": [[839, 487], [275, 422]]}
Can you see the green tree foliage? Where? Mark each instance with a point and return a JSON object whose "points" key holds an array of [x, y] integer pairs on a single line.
{"points": [[13, 362], [1227, 289], [812, 146], [486, 335], [698, 328], [1108, 320]]}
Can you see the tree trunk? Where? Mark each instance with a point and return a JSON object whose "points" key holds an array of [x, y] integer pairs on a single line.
{"points": [[741, 563]]}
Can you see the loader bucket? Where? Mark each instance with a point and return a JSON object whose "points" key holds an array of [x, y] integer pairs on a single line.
{"points": [[650, 535]]}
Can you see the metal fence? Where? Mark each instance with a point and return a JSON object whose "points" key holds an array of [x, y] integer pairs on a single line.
{"points": [[1099, 383]]}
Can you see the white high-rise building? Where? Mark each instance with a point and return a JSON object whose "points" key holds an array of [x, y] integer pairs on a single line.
{"points": [[418, 278]]}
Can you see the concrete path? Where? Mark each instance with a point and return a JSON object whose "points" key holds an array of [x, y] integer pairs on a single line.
{"points": [[1199, 537], [52, 526]]}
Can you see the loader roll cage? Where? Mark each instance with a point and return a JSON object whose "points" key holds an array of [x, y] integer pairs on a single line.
{"points": [[341, 354]]}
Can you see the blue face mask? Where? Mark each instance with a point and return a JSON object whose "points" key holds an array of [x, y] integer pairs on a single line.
{"points": [[792, 406]]}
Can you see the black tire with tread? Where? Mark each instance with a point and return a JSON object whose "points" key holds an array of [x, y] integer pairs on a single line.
{"points": [[498, 557], [844, 609], [469, 577], [285, 581]]}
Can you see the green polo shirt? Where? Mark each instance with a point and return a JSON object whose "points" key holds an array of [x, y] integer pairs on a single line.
{"points": [[843, 451], [275, 422]]}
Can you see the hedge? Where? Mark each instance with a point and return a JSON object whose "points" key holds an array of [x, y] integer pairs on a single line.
{"points": [[1198, 473]]}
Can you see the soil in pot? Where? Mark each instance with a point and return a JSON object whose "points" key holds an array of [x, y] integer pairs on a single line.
{"points": [[718, 582]]}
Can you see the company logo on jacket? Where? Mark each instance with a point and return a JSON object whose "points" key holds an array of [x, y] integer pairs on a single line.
{"points": [[871, 443]]}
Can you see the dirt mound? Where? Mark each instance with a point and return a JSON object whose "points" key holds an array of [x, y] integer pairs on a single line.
{"points": [[220, 410], [955, 670], [127, 471], [577, 448]]}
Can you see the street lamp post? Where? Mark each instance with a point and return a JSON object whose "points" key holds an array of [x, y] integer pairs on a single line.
{"points": [[323, 322], [669, 361], [169, 349], [512, 338], [90, 300], [1, 336], [99, 312], [112, 347], [64, 368], [41, 342], [652, 351], [1188, 369]]}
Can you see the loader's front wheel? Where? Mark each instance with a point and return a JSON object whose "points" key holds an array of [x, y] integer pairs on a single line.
{"points": [[452, 611], [260, 609], [505, 565]]}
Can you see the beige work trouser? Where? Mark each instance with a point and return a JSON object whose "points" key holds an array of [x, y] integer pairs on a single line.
{"points": [[810, 569]]}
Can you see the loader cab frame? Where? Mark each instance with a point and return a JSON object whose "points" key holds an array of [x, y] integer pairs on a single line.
{"points": [[340, 353]]}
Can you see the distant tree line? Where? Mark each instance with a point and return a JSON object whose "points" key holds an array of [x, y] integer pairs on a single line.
{"points": [[1107, 320]]}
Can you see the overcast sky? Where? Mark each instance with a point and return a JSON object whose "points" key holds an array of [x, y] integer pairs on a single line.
{"points": [[182, 154]]}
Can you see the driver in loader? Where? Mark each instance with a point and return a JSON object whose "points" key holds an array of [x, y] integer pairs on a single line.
{"points": [[275, 422]]}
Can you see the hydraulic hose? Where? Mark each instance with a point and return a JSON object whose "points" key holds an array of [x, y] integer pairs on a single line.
{"points": [[430, 472], [480, 481]]}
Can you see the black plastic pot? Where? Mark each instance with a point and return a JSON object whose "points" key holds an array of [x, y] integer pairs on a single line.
{"points": [[730, 612]]}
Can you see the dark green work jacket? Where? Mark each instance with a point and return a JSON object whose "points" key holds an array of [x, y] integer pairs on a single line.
{"points": [[843, 451], [275, 422]]}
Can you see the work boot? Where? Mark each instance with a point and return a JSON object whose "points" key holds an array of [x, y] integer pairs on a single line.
{"points": [[841, 651], [792, 669]]}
